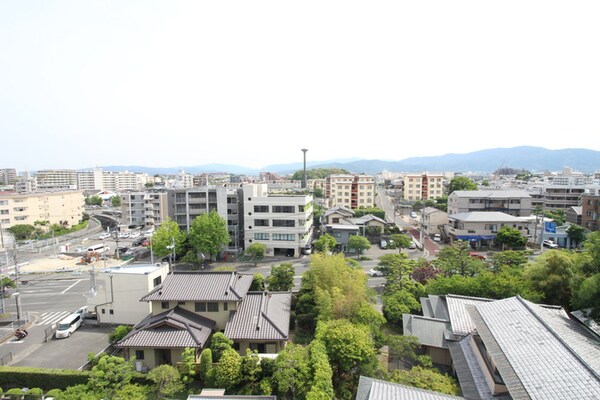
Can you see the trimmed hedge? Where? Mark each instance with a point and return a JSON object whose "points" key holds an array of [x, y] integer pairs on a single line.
{"points": [[45, 378]]}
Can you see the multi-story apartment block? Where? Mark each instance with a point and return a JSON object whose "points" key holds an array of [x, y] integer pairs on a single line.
{"points": [[517, 203], [144, 209], [423, 186], [54, 207], [184, 205], [97, 179], [56, 179], [352, 191], [8, 176], [590, 212], [183, 180], [556, 197], [282, 222]]}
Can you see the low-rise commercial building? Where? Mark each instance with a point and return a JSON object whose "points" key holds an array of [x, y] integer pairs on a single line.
{"points": [[514, 202]]}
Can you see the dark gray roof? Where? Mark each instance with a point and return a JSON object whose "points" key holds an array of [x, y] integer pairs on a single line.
{"points": [[339, 210], [204, 286], [540, 353], [176, 328], [374, 389], [229, 397], [261, 316]]}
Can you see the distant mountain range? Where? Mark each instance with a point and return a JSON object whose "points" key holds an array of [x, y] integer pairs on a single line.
{"points": [[535, 159]]}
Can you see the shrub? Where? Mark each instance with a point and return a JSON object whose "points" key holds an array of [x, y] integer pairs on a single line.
{"points": [[45, 378]]}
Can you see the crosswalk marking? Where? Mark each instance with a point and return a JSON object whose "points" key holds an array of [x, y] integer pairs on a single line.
{"points": [[49, 318]]}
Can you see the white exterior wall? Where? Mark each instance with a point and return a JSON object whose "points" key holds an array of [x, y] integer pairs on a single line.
{"points": [[121, 291], [299, 234]]}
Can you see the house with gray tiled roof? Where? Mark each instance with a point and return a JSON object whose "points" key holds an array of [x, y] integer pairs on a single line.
{"points": [[510, 348], [375, 389], [188, 308]]}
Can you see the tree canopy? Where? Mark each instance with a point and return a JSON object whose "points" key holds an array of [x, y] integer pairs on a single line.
{"points": [[164, 236], [208, 233], [461, 183]]}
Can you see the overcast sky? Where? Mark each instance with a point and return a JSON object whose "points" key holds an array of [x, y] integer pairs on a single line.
{"points": [[250, 83]]}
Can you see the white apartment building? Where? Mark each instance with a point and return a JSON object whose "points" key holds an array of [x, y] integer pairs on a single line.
{"points": [[281, 221], [517, 203], [17, 208], [352, 191], [423, 186], [56, 179], [119, 290], [97, 179], [144, 209]]}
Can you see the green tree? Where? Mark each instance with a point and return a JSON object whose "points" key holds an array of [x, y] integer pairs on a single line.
{"points": [[219, 343], [359, 244], [396, 264], [22, 231], [206, 367], [187, 368], [397, 303], [401, 241], [318, 173], [511, 237], [576, 234], [208, 233], [256, 250], [167, 380], [456, 259], [119, 333], [94, 200], [258, 282], [164, 236], [552, 274], [510, 258], [251, 372], [292, 374], [115, 201], [350, 349], [228, 371], [321, 384], [325, 243], [281, 278], [131, 392], [461, 183], [557, 215], [318, 193], [110, 374], [424, 378], [405, 349]]}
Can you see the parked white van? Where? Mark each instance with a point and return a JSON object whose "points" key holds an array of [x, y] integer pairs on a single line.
{"points": [[68, 325]]}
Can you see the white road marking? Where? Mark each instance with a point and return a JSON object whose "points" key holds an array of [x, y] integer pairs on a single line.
{"points": [[50, 318], [64, 291]]}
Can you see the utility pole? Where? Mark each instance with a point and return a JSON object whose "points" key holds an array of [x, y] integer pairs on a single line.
{"points": [[304, 180], [17, 294]]}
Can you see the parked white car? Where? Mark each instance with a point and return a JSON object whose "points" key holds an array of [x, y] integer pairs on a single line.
{"points": [[134, 235], [550, 244], [375, 272], [437, 237], [103, 236]]}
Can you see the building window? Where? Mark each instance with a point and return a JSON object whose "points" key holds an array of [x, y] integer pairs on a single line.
{"points": [[212, 307], [225, 306], [156, 281], [164, 305], [335, 220], [261, 236], [200, 306], [261, 222], [103, 311], [289, 223], [261, 209], [283, 237], [111, 312], [283, 209], [139, 354]]}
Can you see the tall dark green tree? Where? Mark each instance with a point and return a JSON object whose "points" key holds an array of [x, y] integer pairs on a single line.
{"points": [[281, 278], [461, 183], [510, 237], [208, 234]]}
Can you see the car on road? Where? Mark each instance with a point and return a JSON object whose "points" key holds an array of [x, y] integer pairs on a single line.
{"points": [[103, 236], [413, 214], [134, 235], [412, 245], [123, 235], [375, 272], [550, 244], [437, 237], [383, 244]]}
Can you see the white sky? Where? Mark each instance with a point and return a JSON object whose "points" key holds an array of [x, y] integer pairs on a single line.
{"points": [[250, 83]]}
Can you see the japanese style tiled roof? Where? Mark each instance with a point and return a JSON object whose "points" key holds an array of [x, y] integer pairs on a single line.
{"points": [[374, 389], [261, 316], [203, 286], [176, 328]]}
